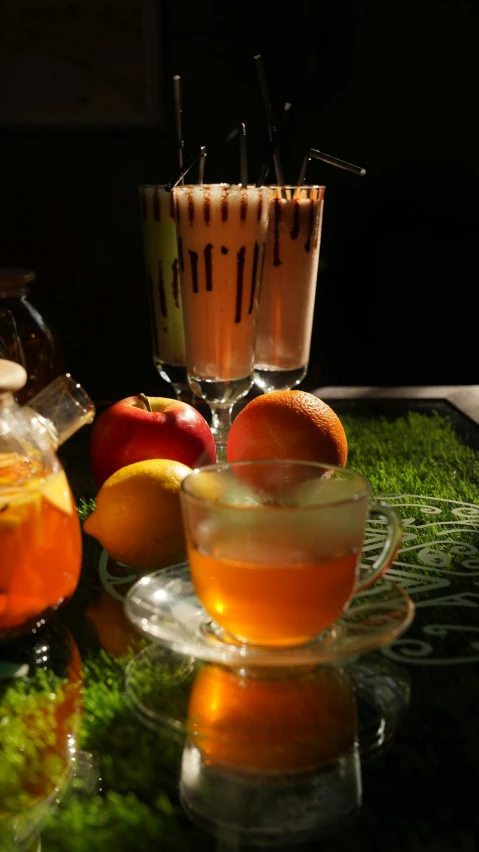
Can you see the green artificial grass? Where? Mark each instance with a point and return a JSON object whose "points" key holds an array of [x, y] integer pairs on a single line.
{"points": [[414, 796], [414, 454]]}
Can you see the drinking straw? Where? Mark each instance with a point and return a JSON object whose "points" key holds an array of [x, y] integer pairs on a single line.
{"points": [[178, 118], [240, 131], [198, 156], [272, 135], [326, 158], [266, 165], [201, 164]]}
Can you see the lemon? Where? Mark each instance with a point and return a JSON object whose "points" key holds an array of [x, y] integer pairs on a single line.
{"points": [[138, 516]]}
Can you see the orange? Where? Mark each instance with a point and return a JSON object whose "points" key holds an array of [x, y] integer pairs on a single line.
{"points": [[293, 425], [285, 723]]}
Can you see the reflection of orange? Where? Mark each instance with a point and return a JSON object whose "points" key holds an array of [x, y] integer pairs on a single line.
{"points": [[272, 723], [115, 632], [288, 425]]}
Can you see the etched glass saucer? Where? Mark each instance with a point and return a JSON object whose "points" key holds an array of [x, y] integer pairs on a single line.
{"points": [[164, 607]]}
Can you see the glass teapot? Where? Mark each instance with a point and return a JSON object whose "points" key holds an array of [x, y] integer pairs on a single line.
{"points": [[40, 533]]}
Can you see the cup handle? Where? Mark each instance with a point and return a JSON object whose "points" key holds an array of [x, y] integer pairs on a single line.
{"points": [[390, 549]]}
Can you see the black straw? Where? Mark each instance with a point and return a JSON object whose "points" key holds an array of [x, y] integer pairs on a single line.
{"points": [[313, 154], [240, 131], [201, 165], [198, 156], [266, 164], [178, 118], [272, 134]]}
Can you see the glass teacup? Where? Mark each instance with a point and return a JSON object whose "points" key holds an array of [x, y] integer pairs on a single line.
{"points": [[275, 547]]}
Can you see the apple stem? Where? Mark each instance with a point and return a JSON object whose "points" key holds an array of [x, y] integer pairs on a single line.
{"points": [[144, 399]]}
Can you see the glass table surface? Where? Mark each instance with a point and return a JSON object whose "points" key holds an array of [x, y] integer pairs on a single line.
{"points": [[379, 751]]}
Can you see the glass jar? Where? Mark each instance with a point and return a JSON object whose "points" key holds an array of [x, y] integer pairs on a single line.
{"points": [[24, 335]]}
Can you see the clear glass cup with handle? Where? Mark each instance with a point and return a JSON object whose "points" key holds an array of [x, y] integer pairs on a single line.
{"points": [[275, 547], [221, 234], [288, 287]]}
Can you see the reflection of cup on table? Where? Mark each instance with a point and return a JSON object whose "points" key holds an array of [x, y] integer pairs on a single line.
{"points": [[288, 287], [164, 291], [275, 547], [221, 233], [286, 740]]}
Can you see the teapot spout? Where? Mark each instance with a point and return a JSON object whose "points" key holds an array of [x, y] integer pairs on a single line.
{"points": [[63, 407]]}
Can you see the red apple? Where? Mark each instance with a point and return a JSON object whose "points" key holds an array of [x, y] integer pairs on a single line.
{"points": [[128, 432]]}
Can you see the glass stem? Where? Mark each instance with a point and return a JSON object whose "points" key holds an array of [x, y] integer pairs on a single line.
{"points": [[184, 394], [220, 427]]}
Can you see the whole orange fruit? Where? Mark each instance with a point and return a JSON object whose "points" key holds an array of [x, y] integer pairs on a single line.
{"points": [[293, 425]]}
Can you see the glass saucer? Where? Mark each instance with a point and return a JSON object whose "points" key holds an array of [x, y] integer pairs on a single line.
{"points": [[164, 607]]}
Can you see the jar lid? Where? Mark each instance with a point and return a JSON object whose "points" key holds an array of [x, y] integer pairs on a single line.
{"points": [[13, 376], [13, 280]]}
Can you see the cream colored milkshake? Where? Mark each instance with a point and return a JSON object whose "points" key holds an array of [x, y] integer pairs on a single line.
{"points": [[288, 288], [163, 277], [221, 233]]}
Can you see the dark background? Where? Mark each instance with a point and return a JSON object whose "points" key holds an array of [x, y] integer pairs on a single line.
{"points": [[390, 86]]}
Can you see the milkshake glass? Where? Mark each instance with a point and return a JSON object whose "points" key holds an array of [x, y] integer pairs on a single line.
{"points": [[288, 287], [164, 291], [221, 235]]}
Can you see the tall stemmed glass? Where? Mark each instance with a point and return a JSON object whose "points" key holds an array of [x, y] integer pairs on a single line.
{"points": [[164, 292], [221, 234], [288, 287]]}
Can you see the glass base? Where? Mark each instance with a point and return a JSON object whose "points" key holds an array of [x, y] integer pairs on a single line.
{"points": [[176, 376], [273, 379]]}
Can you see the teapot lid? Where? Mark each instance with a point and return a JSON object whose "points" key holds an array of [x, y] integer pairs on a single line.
{"points": [[12, 376]]}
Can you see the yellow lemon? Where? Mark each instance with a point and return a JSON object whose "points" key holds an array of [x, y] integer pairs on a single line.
{"points": [[138, 517]]}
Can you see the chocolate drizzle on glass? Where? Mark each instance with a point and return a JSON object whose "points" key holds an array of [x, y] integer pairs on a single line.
{"points": [[243, 206], [224, 250], [310, 225], [161, 289], [254, 276], [224, 205], [175, 283], [172, 206], [194, 269], [260, 207], [207, 208], [277, 220], [239, 283], [180, 250], [207, 251], [191, 208], [156, 204], [295, 229]]}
